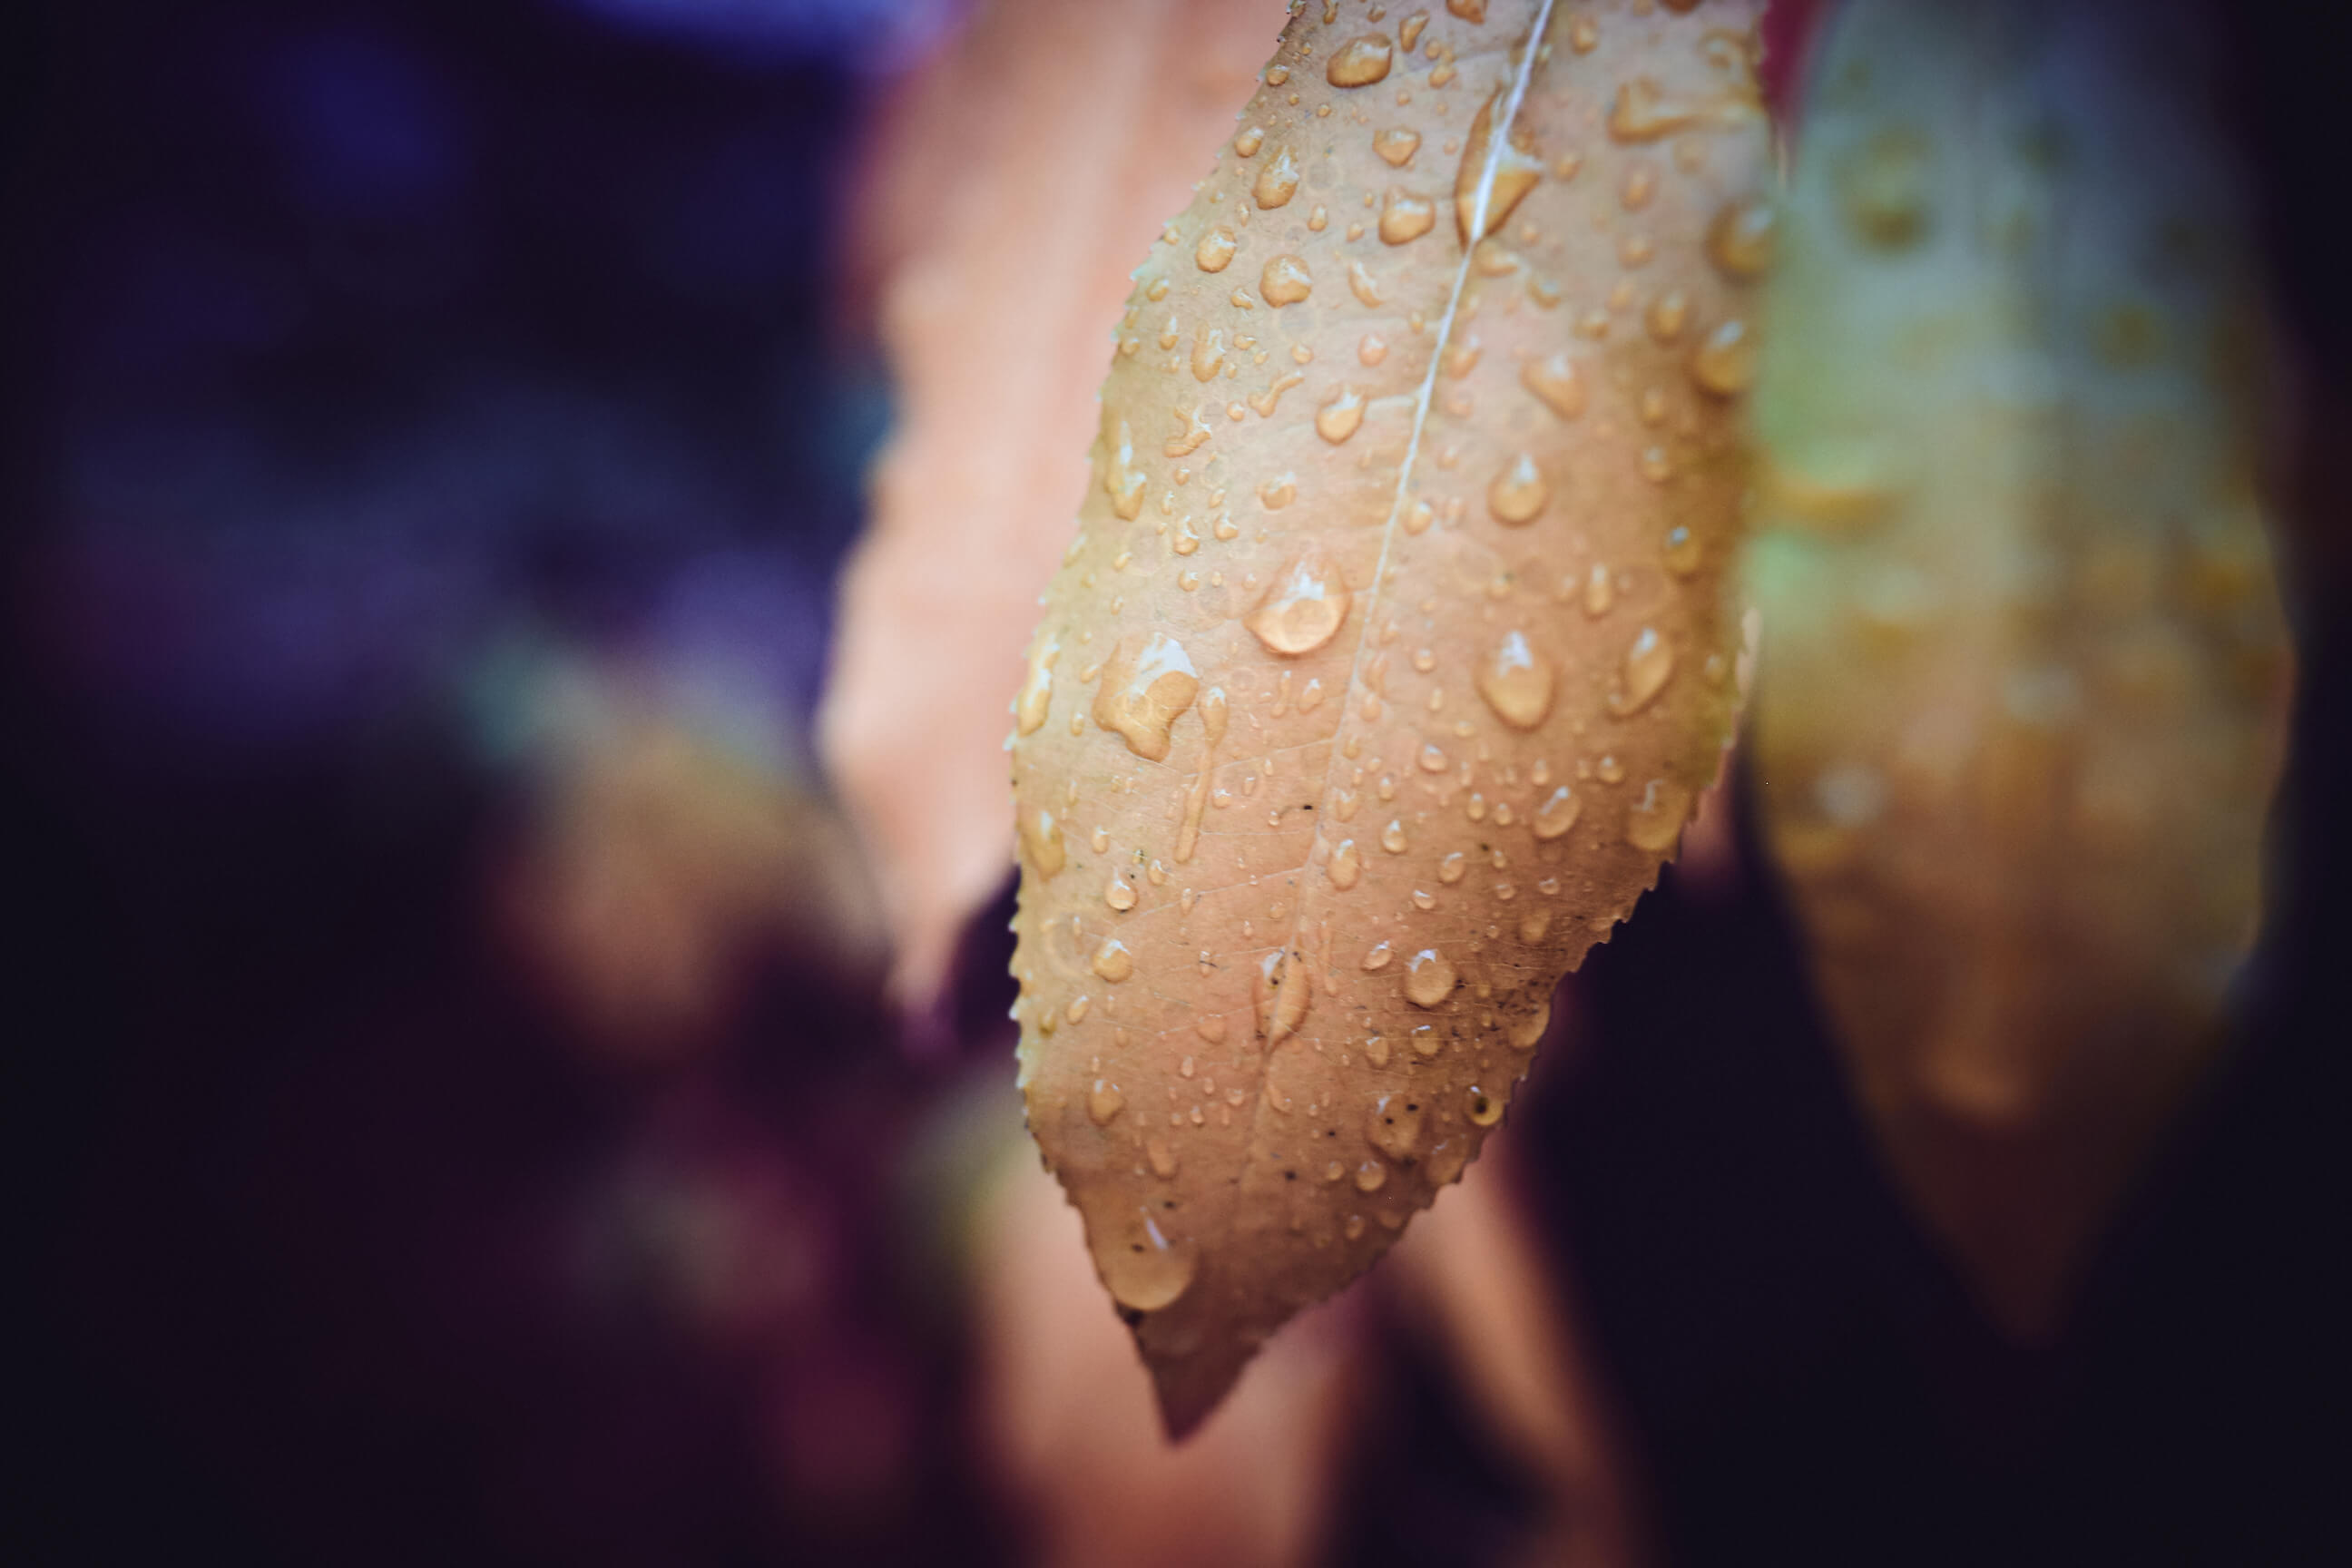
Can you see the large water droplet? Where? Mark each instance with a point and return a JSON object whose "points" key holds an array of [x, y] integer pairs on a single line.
{"points": [[1649, 663], [1515, 173], [1103, 1101], [1162, 1155], [1396, 145], [1516, 682], [1377, 958], [1883, 188], [1558, 814], [1740, 240], [1146, 681], [1208, 352], [1285, 280], [1037, 688], [1112, 961], [1347, 867], [1142, 1268], [1642, 113], [1725, 364], [1359, 62], [1123, 480], [1405, 217], [1429, 979], [1556, 383], [1278, 181], [1303, 606], [1655, 821], [1392, 838], [1338, 420], [1394, 1125], [1518, 495], [1370, 1175], [1119, 894], [1215, 251], [1484, 1109], [1041, 838]]}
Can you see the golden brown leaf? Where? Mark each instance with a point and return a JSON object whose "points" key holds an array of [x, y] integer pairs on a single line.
{"points": [[1354, 718], [1003, 236], [2024, 661]]}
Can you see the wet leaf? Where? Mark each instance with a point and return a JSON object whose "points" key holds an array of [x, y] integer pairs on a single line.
{"points": [[1392, 653], [2024, 669]]}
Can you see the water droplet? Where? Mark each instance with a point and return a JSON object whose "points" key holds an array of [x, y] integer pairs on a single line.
{"points": [[1112, 961], [1147, 682], [1450, 869], [1725, 364], [1472, 11], [1338, 420], [1347, 868], [1285, 280], [1367, 291], [1432, 758], [1682, 552], [1655, 821], [1377, 958], [1642, 113], [1396, 145], [1215, 251], [1208, 352], [1600, 591], [1041, 836], [1303, 606], [1584, 34], [1037, 688], [1162, 1156], [1142, 1268], [1278, 181], [1358, 62], [1518, 494], [1740, 240], [1408, 30], [1429, 978], [1119, 894], [1649, 663], [1534, 924], [1558, 814], [1103, 1101], [1640, 186], [1515, 173], [1393, 1124], [1483, 1108], [1516, 682], [1556, 383], [1405, 217], [1277, 75], [1883, 188], [1370, 1175]]}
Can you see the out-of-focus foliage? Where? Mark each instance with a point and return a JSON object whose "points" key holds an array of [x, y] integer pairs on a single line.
{"points": [[1390, 657], [2025, 682]]}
